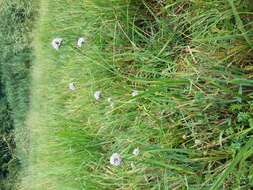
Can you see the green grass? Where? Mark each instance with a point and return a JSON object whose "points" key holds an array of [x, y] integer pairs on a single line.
{"points": [[192, 120], [15, 60], [7, 161]]}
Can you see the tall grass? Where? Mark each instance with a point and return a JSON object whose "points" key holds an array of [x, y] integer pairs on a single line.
{"points": [[192, 120]]}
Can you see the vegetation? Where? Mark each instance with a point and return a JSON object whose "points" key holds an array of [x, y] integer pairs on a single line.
{"points": [[15, 61], [192, 119], [6, 143]]}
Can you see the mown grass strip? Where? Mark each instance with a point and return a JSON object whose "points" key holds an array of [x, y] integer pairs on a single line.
{"points": [[16, 21]]}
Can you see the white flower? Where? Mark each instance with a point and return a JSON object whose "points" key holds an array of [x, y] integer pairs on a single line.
{"points": [[109, 100], [115, 159], [136, 151], [72, 86], [80, 42], [135, 93], [97, 95], [56, 43]]}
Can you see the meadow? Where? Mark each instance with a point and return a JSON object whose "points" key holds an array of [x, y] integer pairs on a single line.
{"points": [[167, 85]]}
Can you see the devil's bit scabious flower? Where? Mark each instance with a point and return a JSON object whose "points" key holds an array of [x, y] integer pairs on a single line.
{"points": [[80, 42], [135, 93], [72, 86], [56, 43], [97, 95], [115, 159], [136, 151]]}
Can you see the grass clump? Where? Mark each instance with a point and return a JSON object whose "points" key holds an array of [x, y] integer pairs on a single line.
{"points": [[192, 117]]}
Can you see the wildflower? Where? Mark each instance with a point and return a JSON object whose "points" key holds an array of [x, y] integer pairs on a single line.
{"points": [[109, 100], [97, 95], [72, 86], [135, 93], [136, 151], [56, 43], [115, 159], [80, 42]]}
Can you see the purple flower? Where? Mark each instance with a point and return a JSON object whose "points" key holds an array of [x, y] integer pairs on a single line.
{"points": [[56, 43], [97, 95], [115, 159], [81, 41]]}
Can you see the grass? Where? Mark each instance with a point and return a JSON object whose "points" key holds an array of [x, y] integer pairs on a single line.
{"points": [[7, 160], [192, 120], [15, 60]]}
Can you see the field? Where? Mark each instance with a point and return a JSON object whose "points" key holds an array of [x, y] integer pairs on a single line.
{"points": [[175, 78]]}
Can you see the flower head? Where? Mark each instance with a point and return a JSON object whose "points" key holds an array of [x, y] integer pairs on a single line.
{"points": [[115, 159], [72, 86], [135, 93], [80, 42], [56, 43], [136, 151], [97, 95]]}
